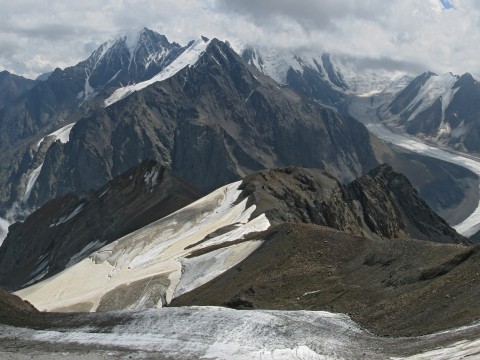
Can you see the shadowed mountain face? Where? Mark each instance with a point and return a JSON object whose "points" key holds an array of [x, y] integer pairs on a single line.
{"points": [[211, 123], [69, 228]]}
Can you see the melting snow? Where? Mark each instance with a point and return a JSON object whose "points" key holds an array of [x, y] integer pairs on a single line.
{"points": [[188, 58], [157, 249]]}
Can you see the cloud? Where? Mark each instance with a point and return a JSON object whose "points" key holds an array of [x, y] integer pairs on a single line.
{"points": [[37, 36]]}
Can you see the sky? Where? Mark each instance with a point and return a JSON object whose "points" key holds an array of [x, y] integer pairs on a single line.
{"points": [[37, 36]]}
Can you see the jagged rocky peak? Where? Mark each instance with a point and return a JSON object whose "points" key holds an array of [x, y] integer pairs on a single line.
{"points": [[128, 58], [381, 203]]}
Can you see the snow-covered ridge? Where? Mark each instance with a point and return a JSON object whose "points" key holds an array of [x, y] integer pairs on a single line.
{"points": [[188, 58], [276, 63], [436, 87], [158, 250]]}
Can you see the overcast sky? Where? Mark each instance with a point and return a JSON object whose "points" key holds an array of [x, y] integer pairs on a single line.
{"points": [[38, 35]]}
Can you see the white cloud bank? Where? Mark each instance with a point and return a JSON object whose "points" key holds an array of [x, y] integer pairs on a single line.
{"points": [[39, 35]]}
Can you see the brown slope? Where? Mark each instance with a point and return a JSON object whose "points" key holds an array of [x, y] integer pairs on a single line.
{"points": [[381, 203], [49, 241], [392, 287]]}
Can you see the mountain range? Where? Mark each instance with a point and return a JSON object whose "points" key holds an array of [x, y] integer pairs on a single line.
{"points": [[157, 175]]}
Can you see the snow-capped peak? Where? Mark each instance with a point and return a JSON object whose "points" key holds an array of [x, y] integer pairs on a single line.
{"points": [[437, 86], [188, 58]]}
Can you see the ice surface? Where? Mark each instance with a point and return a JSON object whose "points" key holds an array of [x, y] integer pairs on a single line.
{"points": [[188, 58], [219, 333], [158, 249]]}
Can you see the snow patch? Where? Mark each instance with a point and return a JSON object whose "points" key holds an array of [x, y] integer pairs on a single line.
{"points": [[4, 224], [188, 58], [68, 217], [201, 269], [151, 178], [32, 178], [62, 134]]}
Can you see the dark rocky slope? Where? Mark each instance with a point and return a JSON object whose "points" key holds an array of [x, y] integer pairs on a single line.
{"points": [[450, 190], [394, 287], [210, 123], [69, 228]]}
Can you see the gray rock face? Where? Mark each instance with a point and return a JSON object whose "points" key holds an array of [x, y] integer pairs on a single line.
{"points": [[381, 203], [211, 123], [67, 229]]}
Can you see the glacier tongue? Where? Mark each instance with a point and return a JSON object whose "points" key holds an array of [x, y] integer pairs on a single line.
{"points": [[188, 58]]}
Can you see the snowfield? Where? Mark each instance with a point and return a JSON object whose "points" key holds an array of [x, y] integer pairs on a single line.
{"points": [[221, 333], [157, 255]]}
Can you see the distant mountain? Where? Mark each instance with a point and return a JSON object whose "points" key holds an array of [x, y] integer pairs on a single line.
{"points": [[68, 229], [44, 76], [12, 86], [212, 121], [313, 76], [440, 108]]}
